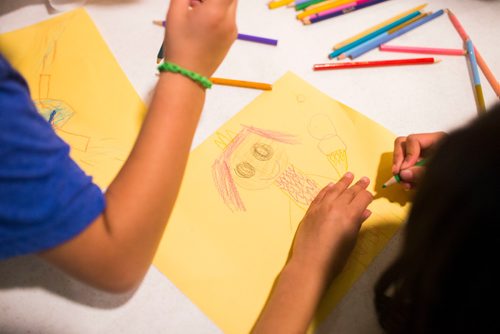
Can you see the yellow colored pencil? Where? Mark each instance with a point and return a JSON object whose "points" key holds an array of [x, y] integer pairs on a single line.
{"points": [[241, 83], [318, 8], [279, 3], [376, 27]]}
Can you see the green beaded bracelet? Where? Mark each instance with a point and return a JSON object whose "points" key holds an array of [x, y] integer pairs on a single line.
{"points": [[171, 67]]}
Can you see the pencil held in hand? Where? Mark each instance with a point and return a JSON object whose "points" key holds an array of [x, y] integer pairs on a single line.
{"points": [[397, 178]]}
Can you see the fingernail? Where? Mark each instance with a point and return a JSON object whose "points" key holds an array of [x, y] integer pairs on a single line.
{"points": [[364, 179], [349, 175]]}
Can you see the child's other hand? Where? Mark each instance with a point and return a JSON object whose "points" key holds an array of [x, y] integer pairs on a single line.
{"points": [[407, 151], [328, 232], [198, 34]]}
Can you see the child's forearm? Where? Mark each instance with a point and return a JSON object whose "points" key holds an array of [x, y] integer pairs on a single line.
{"points": [[148, 184], [293, 301], [116, 250]]}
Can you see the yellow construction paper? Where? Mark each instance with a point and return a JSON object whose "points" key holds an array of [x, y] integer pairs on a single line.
{"points": [[78, 86], [247, 187]]}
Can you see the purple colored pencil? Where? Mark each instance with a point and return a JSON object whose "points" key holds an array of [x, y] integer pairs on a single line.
{"points": [[242, 37], [257, 39]]}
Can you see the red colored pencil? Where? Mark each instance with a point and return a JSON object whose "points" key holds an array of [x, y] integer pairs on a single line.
{"points": [[392, 62]]}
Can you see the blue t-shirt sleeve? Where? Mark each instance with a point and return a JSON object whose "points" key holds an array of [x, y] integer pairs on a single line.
{"points": [[45, 198]]}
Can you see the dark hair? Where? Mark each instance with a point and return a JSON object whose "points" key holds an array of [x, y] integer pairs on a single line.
{"points": [[444, 279]]}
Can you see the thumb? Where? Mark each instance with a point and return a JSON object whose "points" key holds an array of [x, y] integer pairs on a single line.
{"points": [[412, 174]]}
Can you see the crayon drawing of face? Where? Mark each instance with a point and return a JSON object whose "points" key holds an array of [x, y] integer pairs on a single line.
{"points": [[252, 160], [257, 162]]}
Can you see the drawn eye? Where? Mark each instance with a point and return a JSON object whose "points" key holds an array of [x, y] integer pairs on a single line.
{"points": [[262, 152], [245, 170]]}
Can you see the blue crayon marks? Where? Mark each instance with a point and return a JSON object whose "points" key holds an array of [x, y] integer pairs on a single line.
{"points": [[56, 112]]}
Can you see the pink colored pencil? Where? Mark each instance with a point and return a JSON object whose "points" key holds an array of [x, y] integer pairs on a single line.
{"points": [[480, 60], [458, 26], [425, 50]]}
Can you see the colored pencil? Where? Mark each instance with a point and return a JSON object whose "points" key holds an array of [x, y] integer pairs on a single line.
{"points": [[330, 4], [159, 22], [257, 39], [458, 26], [339, 9], [481, 62], [243, 37], [384, 38], [278, 3], [372, 35], [378, 26], [475, 76], [327, 2], [240, 83], [397, 178], [160, 55], [407, 23], [374, 63], [424, 50], [305, 4], [356, 6]]}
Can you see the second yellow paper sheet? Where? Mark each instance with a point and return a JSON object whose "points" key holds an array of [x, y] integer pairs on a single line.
{"points": [[78, 86], [247, 187]]}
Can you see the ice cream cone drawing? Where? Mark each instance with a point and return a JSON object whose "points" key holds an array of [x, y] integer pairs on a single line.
{"points": [[330, 144], [256, 159]]}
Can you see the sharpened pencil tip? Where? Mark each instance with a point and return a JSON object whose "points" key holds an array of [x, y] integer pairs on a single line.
{"points": [[384, 186]]}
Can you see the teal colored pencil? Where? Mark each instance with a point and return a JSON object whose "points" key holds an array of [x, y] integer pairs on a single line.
{"points": [[397, 178], [372, 35], [386, 37]]}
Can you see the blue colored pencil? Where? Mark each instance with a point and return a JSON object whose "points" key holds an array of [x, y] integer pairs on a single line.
{"points": [[384, 38], [372, 35], [475, 75], [318, 18]]}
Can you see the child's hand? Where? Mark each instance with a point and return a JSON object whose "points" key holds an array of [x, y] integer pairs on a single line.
{"points": [[327, 233], [407, 151], [198, 34]]}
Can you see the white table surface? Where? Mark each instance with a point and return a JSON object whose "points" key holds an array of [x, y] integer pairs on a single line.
{"points": [[36, 298]]}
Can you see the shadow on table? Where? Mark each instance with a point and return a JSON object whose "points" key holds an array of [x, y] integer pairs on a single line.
{"points": [[31, 272]]}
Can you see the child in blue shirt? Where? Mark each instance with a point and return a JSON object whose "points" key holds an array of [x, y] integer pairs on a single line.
{"points": [[50, 207]]}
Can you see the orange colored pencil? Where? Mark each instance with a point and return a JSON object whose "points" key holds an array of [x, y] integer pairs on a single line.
{"points": [[241, 83]]}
